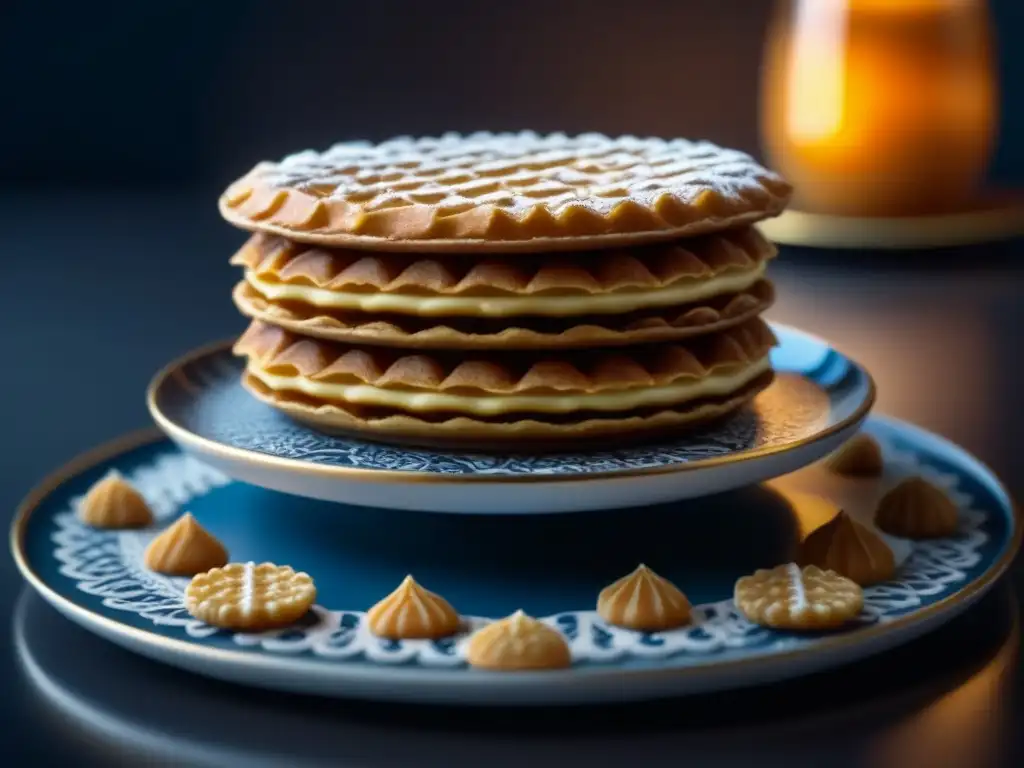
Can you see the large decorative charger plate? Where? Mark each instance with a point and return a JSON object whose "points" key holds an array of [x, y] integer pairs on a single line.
{"points": [[490, 566], [818, 400]]}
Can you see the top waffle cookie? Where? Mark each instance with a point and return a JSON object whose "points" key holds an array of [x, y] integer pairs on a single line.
{"points": [[504, 192]]}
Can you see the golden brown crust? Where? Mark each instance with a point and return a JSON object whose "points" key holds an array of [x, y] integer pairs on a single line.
{"points": [[410, 332], [185, 548], [850, 549], [533, 434], [644, 601], [113, 502], [794, 598], [279, 353], [413, 612], [281, 261], [861, 456], [248, 597], [502, 192], [518, 643], [917, 509]]}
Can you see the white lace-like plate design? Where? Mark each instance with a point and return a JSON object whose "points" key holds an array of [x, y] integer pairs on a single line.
{"points": [[109, 565]]}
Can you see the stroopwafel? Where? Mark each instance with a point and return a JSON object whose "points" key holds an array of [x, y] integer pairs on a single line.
{"points": [[411, 332], [491, 399], [504, 192], [615, 281]]}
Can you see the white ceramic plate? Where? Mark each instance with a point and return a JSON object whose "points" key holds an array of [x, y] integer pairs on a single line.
{"points": [[818, 400]]}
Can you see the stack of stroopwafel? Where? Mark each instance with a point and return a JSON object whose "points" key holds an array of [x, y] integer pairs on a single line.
{"points": [[506, 290]]}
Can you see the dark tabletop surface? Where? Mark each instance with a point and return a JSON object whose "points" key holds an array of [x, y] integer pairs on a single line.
{"points": [[98, 291]]}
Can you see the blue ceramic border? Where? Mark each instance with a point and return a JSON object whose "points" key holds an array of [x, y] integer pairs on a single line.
{"points": [[98, 570]]}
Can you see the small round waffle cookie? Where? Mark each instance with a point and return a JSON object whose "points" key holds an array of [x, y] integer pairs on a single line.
{"points": [[791, 597], [248, 597], [503, 192]]}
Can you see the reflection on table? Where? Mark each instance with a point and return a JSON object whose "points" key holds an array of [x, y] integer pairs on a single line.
{"points": [[896, 709]]}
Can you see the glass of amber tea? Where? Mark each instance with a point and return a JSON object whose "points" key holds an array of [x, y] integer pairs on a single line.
{"points": [[880, 107]]}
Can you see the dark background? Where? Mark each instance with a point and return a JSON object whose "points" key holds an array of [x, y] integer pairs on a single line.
{"points": [[123, 120], [192, 92]]}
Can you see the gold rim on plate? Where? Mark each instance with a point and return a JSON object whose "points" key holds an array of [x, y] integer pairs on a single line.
{"points": [[1001, 219], [242, 660], [185, 437]]}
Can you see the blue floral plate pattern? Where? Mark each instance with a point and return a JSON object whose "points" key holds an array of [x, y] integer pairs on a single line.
{"points": [[489, 566]]}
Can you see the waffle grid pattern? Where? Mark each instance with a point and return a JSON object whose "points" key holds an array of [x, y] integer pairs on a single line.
{"points": [[489, 191], [279, 353]]}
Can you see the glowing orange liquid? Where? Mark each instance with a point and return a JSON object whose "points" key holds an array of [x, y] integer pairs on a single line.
{"points": [[880, 107]]}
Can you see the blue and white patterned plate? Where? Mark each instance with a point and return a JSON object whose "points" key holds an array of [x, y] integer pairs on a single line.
{"points": [[818, 400], [489, 566]]}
